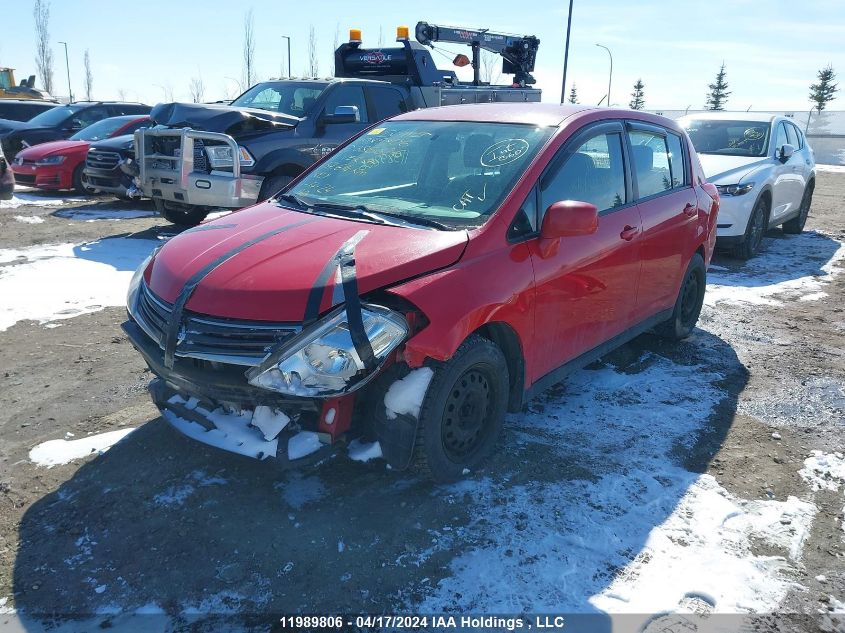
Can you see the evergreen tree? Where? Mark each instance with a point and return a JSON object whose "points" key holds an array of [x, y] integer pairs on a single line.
{"points": [[822, 93], [573, 95], [637, 97], [718, 91]]}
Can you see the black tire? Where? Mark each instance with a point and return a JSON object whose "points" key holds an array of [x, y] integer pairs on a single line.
{"points": [[688, 304], [273, 184], [180, 214], [78, 185], [463, 410], [758, 224], [796, 224]]}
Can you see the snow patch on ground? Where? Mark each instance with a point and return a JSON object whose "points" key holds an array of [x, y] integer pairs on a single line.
{"points": [[837, 169], [298, 491], [824, 471], [60, 281], [177, 495], [20, 199], [93, 215], [4, 609], [303, 444], [792, 267], [29, 219], [363, 452], [57, 452], [405, 396]]}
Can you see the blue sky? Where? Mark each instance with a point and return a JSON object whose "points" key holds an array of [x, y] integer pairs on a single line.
{"points": [[772, 49]]}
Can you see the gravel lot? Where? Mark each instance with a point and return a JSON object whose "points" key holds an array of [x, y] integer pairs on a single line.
{"points": [[660, 479]]}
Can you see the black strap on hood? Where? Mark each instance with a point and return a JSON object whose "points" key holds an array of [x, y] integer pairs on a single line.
{"points": [[175, 322]]}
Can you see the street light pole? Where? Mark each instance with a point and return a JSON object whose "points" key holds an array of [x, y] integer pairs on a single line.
{"points": [[566, 54], [285, 37], [610, 77], [67, 66]]}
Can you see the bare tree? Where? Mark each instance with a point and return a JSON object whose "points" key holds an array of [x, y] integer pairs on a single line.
{"points": [[197, 89], [249, 49], [313, 62], [89, 77], [43, 52], [121, 94], [490, 70]]}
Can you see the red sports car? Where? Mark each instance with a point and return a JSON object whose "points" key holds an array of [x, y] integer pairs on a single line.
{"points": [[59, 164]]}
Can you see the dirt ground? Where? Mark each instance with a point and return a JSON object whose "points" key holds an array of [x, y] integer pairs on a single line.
{"points": [[177, 528]]}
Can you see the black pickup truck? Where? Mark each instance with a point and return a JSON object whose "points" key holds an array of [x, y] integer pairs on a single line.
{"points": [[199, 157]]}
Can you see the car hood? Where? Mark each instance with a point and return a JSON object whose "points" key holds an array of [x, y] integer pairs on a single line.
{"points": [[114, 143], [219, 118], [52, 148], [721, 169], [270, 280], [7, 125]]}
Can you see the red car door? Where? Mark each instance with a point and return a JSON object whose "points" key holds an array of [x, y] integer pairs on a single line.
{"points": [[586, 287], [669, 211]]}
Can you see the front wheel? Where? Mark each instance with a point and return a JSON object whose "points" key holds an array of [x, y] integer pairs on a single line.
{"points": [[688, 304], [796, 224], [463, 410], [758, 223], [273, 184], [180, 214]]}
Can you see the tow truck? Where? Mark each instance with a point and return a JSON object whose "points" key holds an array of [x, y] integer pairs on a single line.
{"points": [[199, 157]]}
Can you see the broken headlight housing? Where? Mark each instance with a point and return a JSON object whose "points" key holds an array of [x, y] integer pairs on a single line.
{"points": [[322, 360], [135, 282]]}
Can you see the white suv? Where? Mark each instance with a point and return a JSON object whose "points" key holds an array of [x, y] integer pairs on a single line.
{"points": [[764, 170]]}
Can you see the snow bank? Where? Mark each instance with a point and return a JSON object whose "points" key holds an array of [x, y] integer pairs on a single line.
{"points": [[20, 199], [361, 452], [56, 452], [29, 219], [60, 281], [793, 267], [824, 471], [405, 396]]}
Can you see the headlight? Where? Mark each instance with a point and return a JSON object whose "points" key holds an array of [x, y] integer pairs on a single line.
{"points": [[17, 160], [735, 190], [135, 282], [322, 361], [50, 160], [220, 156]]}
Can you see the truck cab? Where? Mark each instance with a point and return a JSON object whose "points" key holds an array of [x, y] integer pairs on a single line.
{"points": [[204, 156]]}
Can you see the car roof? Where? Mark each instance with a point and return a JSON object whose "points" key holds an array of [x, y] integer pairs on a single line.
{"points": [[756, 117], [127, 118], [51, 104]]}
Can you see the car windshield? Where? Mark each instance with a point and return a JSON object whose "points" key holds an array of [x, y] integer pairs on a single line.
{"points": [[287, 97], [99, 130], [54, 116], [451, 174], [729, 138]]}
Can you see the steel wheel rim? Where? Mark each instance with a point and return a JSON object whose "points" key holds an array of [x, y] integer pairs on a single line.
{"points": [[689, 299], [466, 415], [757, 228]]}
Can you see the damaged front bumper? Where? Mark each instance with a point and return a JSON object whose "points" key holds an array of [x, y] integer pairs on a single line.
{"points": [[174, 167]]}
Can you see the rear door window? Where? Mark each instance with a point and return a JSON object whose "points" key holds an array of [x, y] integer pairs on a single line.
{"points": [[677, 162], [594, 173], [386, 102], [650, 158]]}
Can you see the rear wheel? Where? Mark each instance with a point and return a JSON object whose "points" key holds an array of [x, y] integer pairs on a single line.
{"points": [[758, 223], [463, 410], [796, 224], [180, 214], [688, 304]]}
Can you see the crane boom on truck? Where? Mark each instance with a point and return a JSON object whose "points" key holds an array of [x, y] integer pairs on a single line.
{"points": [[519, 52]]}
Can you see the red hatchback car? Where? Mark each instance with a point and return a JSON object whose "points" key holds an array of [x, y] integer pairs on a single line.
{"points": [[58, 164], [431, 274]]}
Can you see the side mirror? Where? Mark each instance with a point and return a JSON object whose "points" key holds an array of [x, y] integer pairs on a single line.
{"points": [[343, 114], [785, 152], [569, 218]]}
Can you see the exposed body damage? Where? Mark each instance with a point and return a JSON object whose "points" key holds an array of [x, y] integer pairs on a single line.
{"points": [[299, 323]]}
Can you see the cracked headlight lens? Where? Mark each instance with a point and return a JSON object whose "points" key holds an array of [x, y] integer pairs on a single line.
{"points": [[322, 360]]}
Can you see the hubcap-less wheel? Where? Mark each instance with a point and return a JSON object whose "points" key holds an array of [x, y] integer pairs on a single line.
{"points": [[757, 228], [690, 300], [467, 414]]}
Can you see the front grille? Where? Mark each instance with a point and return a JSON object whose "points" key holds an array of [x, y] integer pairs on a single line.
{"points": [[98, 159], [200, 159], [25, 179], [210, 338]]}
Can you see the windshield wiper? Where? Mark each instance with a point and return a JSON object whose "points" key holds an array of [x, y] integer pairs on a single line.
{"points": [[364, 211], [294, 199]]}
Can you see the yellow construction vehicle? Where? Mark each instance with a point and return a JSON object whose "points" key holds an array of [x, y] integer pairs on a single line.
{"points": [[26, 89]]}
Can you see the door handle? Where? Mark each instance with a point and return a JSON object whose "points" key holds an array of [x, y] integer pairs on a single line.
{"points": [[690, 210], [628, 232]]}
